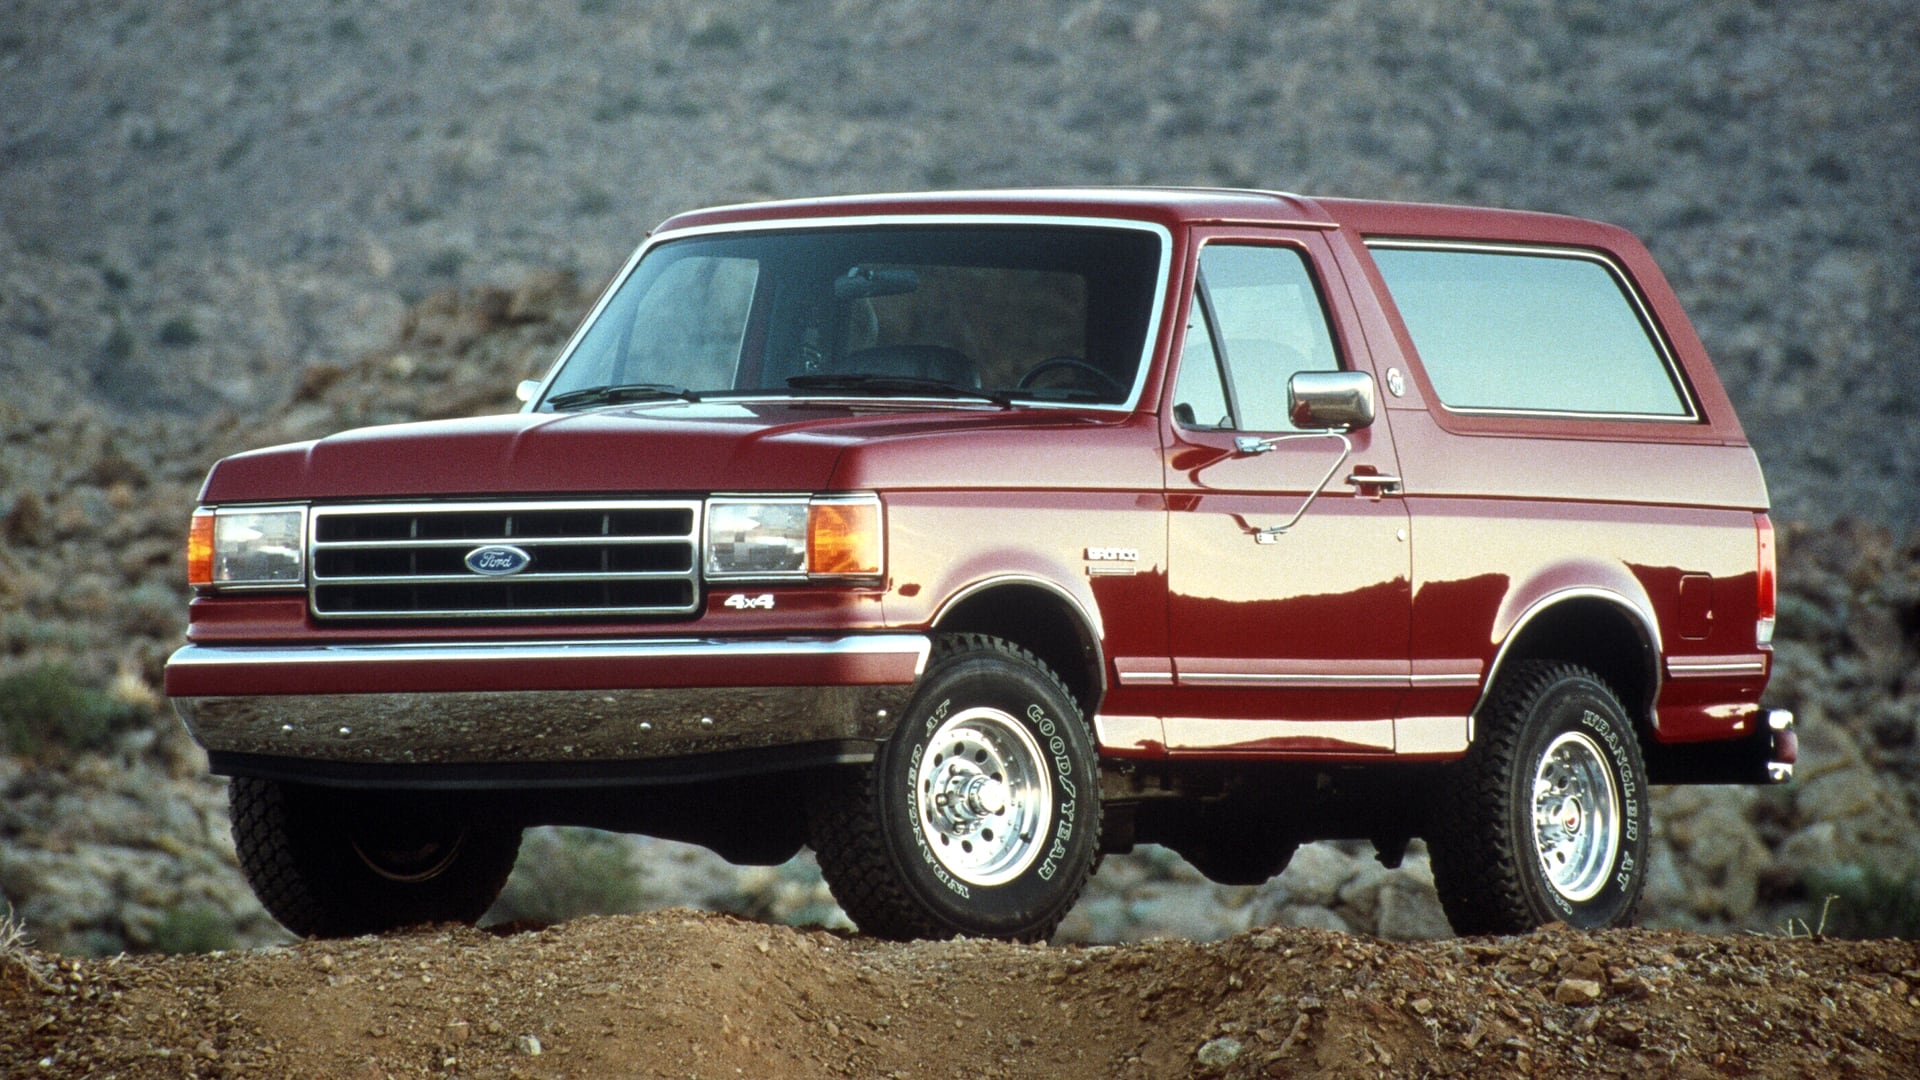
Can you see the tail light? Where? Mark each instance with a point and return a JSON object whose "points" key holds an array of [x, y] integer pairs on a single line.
{"points": [[1769, 582]]}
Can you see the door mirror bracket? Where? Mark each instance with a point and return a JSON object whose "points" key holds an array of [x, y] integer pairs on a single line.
{"points": [[1328, 404]]}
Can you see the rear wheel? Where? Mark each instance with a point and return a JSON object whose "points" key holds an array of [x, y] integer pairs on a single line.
{"points": [[1544, 820], [337, 864], [980, 815]]}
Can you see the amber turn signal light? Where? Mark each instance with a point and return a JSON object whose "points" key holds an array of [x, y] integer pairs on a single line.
{"points": [[200, 549], [843, 538]]}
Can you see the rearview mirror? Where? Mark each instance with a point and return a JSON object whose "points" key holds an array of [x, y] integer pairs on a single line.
{"points": [[1330, 400], [863, 282]]}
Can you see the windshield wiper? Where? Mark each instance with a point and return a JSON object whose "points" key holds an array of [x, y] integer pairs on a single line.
{"points": [[858, 383], [612, 395]]}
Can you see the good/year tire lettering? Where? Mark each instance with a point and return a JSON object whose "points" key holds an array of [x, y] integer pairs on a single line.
{"points": [[979, 815]]}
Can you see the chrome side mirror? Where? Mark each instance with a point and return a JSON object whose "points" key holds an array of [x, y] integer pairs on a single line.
{"points": [[1324, 405], [526, 390], [1330, 400]]}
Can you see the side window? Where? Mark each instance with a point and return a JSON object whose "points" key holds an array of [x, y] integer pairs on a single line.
{"points": [[1527, 331], [1256, 320], [1199, 394]]}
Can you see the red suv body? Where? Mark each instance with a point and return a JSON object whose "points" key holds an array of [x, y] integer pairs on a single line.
{"points": [[967, 536]]}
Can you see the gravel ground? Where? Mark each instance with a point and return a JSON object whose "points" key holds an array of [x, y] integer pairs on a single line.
{"points": [[682, 994]]}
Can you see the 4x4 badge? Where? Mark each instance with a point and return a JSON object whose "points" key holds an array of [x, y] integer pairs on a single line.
{"points": [[498, 560], [743, 602]]}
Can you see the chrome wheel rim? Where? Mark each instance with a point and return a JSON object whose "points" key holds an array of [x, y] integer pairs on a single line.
{"points": [[1576, 817], [983, 798]]}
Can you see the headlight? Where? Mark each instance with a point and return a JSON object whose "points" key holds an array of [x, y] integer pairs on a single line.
{"points": [[756, 538], [259, 546], [829, 536]]}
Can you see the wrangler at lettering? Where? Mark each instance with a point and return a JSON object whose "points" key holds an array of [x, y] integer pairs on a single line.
{"points": [[966, 537]]}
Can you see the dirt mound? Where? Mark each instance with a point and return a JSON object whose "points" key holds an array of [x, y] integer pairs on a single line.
{"points": [[692, 995]]}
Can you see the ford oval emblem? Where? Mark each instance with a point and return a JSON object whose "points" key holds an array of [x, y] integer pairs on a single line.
{"points": [[498, 560]]}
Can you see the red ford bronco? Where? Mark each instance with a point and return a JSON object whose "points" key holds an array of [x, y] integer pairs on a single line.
{"points": [[967, 537]]}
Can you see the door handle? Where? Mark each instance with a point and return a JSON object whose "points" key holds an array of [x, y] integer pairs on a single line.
{"points": [[1388, 485]]}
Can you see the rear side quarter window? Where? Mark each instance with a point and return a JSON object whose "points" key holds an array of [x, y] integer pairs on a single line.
{"points": [[1531, 331]]}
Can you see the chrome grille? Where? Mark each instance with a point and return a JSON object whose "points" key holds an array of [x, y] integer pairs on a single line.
{"points": [[405, 561]]}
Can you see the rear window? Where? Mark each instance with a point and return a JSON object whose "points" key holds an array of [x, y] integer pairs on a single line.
{"points": [[1530, 331]]}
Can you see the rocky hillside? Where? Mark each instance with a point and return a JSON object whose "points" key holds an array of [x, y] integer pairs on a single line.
{"points": [[224, 226], [198, 201]]}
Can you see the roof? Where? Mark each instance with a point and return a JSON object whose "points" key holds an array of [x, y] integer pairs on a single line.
{"points": [[1165, 206], [1174, 207]]}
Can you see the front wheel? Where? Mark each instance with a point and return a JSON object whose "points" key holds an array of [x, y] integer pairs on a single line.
{"points": [[337, 864], [981, 813], [1544, 820]]}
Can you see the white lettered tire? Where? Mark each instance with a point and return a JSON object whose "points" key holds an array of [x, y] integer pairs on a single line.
{"points": [[1545, 819], [981, 814]]}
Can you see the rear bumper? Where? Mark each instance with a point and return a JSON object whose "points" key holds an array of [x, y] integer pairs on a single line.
{"points": [[1785, 746], [551, 702], [1765, 755]]}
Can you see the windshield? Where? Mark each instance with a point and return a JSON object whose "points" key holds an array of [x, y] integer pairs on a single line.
{"points": [[974, 312]]}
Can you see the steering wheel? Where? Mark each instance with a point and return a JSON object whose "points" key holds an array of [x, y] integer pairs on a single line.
{"points": [[1076, 365]]}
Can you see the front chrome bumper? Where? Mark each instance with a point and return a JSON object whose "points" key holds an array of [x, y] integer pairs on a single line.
{"points": [[554, 701]]}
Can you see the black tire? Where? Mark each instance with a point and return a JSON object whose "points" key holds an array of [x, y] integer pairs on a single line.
{"points": [[981, 814], [339, 864], [1545, 819]]}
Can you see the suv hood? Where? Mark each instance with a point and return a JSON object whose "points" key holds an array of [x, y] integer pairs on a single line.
{"points": [[684, 447]]}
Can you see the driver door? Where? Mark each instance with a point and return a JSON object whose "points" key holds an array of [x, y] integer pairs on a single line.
{"points": [[1288, 560]]}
